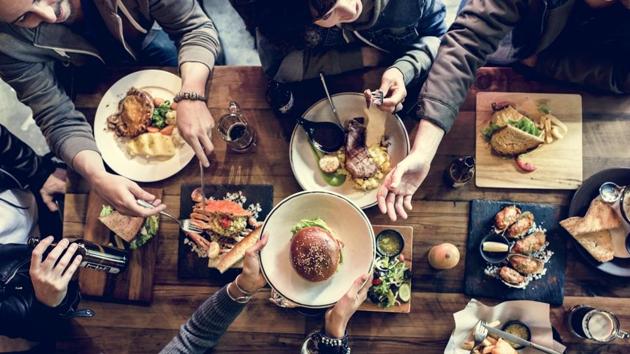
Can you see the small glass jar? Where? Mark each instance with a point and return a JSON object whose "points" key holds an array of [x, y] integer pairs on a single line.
{"points": [[235, 131]]}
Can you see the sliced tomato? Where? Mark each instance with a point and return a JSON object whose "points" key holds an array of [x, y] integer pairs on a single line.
{"points": [[225, 222], [524, 165], [153, 129], [167, 130]]}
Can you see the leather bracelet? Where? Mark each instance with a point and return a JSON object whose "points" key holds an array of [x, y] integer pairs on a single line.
{"points": [[189, 96]]}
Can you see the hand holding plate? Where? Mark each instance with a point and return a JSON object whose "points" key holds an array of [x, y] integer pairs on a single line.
{"points": [[337, 318]]}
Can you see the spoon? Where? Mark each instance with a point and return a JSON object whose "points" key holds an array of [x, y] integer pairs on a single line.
{"points": [[610, 192], [330, 101], [326, 137]]}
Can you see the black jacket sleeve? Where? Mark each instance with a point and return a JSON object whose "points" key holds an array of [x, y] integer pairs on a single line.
{"points": [[20, 166]]}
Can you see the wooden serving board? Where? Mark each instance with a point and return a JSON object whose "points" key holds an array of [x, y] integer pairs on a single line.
{"points": [[191, 266], [549, 289], [558, 165], [407, 233], [135, 284]]}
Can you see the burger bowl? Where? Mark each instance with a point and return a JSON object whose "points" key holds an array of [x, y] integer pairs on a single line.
{"points": [[348, 224]]}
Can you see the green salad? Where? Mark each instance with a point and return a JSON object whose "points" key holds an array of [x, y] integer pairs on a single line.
{"points": [[524, 124], [304, 223], [147, 232], [159, 118], [391, 284]]}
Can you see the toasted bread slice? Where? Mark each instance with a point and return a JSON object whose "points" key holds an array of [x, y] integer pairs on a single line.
{"points": [[599, 217], [512, 141], [598, 244], [126, 227], [237, 252]]}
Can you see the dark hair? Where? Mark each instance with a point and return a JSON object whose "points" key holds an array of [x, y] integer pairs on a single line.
{"points": [[282, 21]]}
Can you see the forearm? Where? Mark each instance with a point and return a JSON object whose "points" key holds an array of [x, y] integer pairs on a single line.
{"points": [[475, 34], [89, 164], [206, 325], [192, 30], [427, 141], [194, 77]]}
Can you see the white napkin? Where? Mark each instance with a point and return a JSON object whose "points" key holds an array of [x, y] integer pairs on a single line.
{"points": [[534, 314]]}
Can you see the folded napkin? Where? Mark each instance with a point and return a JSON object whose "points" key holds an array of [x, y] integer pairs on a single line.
{"points": [[534, 314]]}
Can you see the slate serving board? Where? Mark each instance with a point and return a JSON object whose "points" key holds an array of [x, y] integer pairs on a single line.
{"points": [[189, 265], [549, 289]]}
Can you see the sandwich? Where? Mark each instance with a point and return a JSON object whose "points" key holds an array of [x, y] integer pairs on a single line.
{"points": [[222, 217], [135, 230], [511, 133], [315, 253], [593, 230]]}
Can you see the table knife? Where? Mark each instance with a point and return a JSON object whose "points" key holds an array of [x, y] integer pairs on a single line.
{"points": [[518, 340]]}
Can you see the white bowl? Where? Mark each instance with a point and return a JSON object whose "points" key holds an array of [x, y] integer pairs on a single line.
{"points": [[349, 105], [349, 224]]}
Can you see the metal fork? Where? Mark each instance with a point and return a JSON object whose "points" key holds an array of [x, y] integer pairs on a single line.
{"points": [[479, 334], [184, 224]]}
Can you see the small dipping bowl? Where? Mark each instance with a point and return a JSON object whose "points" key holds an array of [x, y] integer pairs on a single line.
{"points": [[389, 243], [494, 257], [519, 329]]}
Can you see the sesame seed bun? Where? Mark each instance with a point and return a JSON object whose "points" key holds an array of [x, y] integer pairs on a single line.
{"points": [[315, 253]]}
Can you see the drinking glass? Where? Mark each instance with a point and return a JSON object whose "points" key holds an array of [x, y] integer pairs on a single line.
{"points": [[234, 129], [590, 323]]}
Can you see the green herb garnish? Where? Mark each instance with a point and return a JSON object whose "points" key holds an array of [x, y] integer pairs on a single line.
{"points": [[158, 119]]}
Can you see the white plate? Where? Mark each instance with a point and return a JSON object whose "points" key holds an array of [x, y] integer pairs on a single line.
{"points": [[159, 84], [349, 224], [349, 105]]}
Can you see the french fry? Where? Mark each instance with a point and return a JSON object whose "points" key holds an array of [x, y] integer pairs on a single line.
{"points": [[555, 132], [468, 345]]}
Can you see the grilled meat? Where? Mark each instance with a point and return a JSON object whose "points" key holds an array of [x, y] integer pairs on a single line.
{"points": [[530, 244], [524, 222], [506, 217], [511, 276], [526, 265], [134, 114], [358, 160]]}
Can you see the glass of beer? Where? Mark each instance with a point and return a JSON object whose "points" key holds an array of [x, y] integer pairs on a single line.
{"points": [[235, 131], [590, 323]]}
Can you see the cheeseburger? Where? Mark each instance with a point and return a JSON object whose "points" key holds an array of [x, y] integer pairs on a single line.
{"points": [[315, 253]]}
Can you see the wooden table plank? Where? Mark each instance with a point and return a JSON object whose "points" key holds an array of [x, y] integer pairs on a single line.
{"points": [[440, 215]]}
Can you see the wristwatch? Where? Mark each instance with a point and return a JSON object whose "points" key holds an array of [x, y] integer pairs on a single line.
{"points": [[189, 96]]}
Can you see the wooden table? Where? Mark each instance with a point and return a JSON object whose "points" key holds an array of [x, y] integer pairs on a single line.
{"points": [[440, 215]]}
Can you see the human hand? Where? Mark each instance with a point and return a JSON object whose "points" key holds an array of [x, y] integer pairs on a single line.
{"points": [[122, 193], [55, 184], [394, 91], [251, 279], [398, 187], [195, 124], [51, 277], [337, 318]]}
